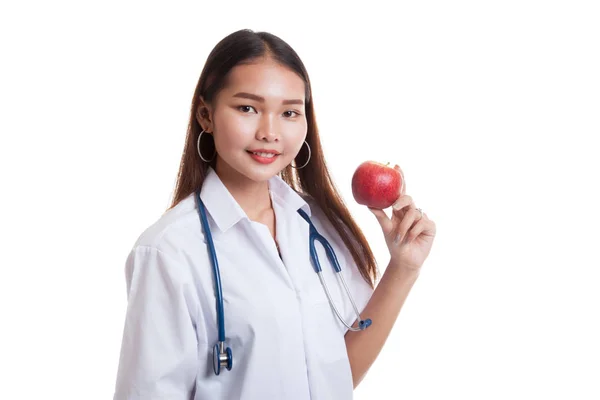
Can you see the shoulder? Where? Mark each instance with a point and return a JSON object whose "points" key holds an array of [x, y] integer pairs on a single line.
{"points": [[324, 225], [169, 233], [163, 250], [320, 219], [317, 215], [315, 209]]}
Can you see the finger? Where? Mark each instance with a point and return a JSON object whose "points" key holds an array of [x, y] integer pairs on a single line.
{"points": [[403, 185], [402, 202], [418, 228], [430, 227], [402, 205], [405, 224], [427, 229], [383, 219]]}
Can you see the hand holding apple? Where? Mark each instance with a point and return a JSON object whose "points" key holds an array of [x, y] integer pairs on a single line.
{"points": [[409, 233]]}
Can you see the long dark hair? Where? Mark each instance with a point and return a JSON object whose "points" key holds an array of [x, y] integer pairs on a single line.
{"points": [[314, 180]]}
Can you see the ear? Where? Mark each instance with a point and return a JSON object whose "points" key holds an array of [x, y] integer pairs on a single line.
{"points": [[204, 115]]}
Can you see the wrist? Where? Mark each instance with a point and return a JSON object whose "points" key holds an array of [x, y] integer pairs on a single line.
{"points": [[404, 270]]}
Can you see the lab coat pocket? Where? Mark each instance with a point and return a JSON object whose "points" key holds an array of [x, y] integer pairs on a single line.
{"points": [[323, 327]]}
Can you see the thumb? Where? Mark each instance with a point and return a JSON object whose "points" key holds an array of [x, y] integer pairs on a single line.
{"points": [[382, 218]]}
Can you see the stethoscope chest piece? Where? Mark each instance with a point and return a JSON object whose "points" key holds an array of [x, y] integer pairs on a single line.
{"points": [[222, 358]]}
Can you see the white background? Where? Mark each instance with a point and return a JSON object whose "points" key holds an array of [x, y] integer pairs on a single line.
{"points": [[491, 109]]}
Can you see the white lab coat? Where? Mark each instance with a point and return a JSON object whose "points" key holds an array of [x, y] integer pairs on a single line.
{"points": [[286, 341]]}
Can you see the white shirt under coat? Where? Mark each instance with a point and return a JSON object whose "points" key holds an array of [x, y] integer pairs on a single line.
{"points": [[286, 341]]}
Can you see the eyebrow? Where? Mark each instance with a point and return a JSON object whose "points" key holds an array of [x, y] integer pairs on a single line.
{"points": [[244, 95]]}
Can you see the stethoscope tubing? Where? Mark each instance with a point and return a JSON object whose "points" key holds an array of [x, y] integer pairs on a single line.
{"points": [[215, 265], [223, 357], [314, 235]]}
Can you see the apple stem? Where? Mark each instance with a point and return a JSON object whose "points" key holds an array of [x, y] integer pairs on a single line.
{"points": [[388, 163]]}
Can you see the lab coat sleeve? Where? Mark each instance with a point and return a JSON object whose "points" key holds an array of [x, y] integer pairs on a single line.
{"points": [[159, 357]]}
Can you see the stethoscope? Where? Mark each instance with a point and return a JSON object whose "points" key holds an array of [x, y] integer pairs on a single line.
{"points": [[223, 357]]}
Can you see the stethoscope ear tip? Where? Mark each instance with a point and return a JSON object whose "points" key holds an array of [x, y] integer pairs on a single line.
{"points": [[365, 323]]}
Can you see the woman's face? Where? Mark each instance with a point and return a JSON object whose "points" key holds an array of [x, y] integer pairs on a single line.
{"points": [[261, 107]]}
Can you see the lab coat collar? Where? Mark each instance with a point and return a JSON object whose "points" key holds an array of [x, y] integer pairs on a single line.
{"points": [[225, 210]]}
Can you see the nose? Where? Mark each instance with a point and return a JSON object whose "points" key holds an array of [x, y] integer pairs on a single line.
{"points": [[267, 130]]}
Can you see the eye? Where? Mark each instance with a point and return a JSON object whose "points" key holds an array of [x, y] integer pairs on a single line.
{"points": [[244, 109], [287, 113]]}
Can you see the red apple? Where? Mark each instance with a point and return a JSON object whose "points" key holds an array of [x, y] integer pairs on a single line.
{"points": [[376, 185]]}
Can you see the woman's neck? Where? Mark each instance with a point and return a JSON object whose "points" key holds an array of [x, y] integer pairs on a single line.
{"points": [[253, 197]]}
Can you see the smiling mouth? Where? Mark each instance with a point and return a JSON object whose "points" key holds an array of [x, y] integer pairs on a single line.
{"points": [[265, 155]]}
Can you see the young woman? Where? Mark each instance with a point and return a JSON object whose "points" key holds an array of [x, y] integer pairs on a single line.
{"points": [[224, 301]]}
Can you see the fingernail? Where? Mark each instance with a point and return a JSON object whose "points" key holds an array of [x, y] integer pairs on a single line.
{"points": [[397, 239]]}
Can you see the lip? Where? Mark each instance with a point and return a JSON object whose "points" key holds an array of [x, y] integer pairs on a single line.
{"points": [[265, 151], [263, 160]]}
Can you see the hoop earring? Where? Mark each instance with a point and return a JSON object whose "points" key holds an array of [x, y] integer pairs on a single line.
{"points": [[309, 154], [200, 152]]}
